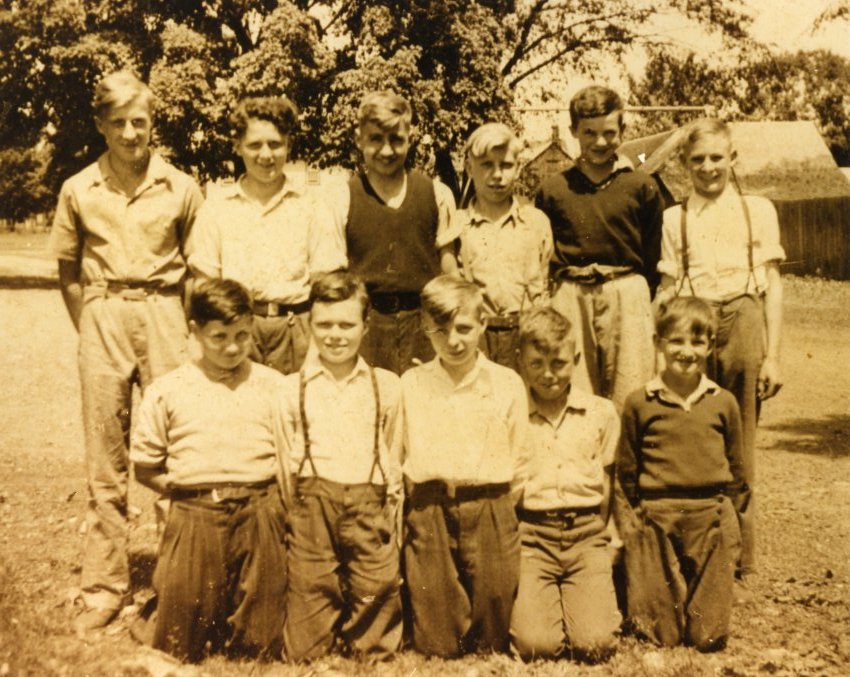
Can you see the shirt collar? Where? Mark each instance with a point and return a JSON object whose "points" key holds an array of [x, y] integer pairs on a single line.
{"points": [[513, 215], [578, 402], [292, 185], [157, 172], [478, 371], [658, 389], [699, 203], [314, 368]]}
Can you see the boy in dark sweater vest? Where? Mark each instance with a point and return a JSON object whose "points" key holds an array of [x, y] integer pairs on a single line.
{"points": [[679, 462], [398, 232]]}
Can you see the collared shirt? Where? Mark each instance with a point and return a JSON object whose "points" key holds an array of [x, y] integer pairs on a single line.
{"points": [[338, 197], [272, 249], [143, 238], [508, 258], [341, 423], [657, 388], [718, 265], [569, 455], [206, 431], [472, 432]]}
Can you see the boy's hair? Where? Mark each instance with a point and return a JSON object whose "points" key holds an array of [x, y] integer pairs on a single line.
{"points": [[445, 295], [489, 136], [278, 110], [223, 300], [545, 329], [118, 89], [687, 312], [703, 127], [339, 285], [593, 102], [386, 109]]}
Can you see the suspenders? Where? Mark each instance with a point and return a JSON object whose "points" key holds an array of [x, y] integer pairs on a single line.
{"points": [[683, 226], [302, 410]]}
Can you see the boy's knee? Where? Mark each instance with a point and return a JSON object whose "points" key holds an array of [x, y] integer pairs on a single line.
{"points": [[593, 647], [530, 645], [705, 641]]}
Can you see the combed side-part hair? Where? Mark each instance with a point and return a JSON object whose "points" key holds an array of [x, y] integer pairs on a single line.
{"points": [[386, 109], [222, 300], [339, 285], [689, 313], [699, 129], [545, 329], [117, 89], [278, 110], [593, 102], [489, 136], [445, 295]]}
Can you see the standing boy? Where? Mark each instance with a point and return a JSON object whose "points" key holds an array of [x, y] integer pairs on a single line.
{"points": [[397, 232], [566, 601], [724, 248], [606, 221], [505, 243], [268, 232], [208, 437], [339, 415], [120, 234], [465, 423], [678, 465]]}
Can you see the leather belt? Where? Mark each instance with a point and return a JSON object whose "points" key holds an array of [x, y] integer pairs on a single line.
{"points": [[394, 302], [440, 491], [222, 493], [563, 517], [272, 309]]}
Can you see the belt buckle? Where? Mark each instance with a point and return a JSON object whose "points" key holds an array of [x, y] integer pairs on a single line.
{"points": [[215, 496], [272, 309], [134, 294], [451, 490]]}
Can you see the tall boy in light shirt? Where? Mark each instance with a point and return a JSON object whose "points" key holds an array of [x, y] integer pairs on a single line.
{"points": [[566, 604], [269, 231], [344, 558], [462, 446], [724, 248], [505, 242]]}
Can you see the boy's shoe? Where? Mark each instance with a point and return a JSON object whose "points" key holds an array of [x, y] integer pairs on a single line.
{"points": [[93, 619]]}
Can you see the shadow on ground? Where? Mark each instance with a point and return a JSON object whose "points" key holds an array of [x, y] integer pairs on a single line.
{"points": [[827, 436], [142, 564], [27, 282]]}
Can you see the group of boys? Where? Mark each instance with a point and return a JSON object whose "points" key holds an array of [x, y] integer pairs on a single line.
{"points": [[306, 480]]}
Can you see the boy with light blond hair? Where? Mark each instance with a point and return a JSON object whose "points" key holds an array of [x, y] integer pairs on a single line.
{"points": [[505, 242]]}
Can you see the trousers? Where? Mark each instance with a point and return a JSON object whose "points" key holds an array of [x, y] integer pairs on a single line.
{"points": [[394, 340], [281, 342]]}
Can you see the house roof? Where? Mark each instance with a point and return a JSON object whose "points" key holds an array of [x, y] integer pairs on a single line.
{"points": [[779, 160]]}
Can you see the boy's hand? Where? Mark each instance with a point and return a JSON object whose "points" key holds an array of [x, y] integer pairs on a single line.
{"points": [[770, 380]]}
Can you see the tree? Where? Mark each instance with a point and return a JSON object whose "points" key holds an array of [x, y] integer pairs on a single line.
{"points": [[458, 61]]}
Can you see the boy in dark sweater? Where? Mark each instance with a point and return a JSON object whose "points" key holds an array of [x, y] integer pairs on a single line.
{"points": [[680, 460]]}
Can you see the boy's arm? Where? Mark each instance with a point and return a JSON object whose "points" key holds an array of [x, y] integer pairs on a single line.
{"points": [[734, 438], [66, 244], [193, 201], [154, 478], [652, 219], [149, 442], [520, 434], [539, 285], [627, 455], [327, 227], [770, 379], [448, 227], [72, 289], [205, 256]]}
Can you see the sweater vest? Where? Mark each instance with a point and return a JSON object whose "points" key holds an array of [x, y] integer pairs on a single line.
{"points": [[393, 250]]}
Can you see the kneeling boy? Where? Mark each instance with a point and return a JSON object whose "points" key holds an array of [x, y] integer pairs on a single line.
{"points": [[679, 462], [465, 425], [339, 416], [566, 601], [207, 437]]}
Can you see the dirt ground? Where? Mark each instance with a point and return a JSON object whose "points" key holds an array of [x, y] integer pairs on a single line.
{"points": [[798, 626]]}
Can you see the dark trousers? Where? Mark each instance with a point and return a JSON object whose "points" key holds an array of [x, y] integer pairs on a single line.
{"points": [[738, 358], [394, 340], [680, 557], [221, 576], [501, 345], [281, 342], [344, 571], [462, 570]]}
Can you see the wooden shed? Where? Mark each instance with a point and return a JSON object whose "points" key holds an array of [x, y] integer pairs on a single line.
{"points": [[542, 159], [787, 162]]}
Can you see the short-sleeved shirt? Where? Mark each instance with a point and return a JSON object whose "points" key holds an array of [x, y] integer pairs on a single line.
{"points": [[204, 431], [718, 263], [341, 423], [472, 432], [143, 238], [509, 258], [616, 223], [568, 456], [272, 249]]}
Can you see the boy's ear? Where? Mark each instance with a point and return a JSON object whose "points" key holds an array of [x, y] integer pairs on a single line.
{"points": [[733, 157]]}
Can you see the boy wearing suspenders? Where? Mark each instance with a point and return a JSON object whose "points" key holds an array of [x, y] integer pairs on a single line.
{"points": [[724, 248], [339, 414]]}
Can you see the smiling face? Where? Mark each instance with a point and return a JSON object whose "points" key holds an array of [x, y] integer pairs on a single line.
{"points": [[547, 373], [709, 161], [384, 149], [338, 330], [599, 137], [494, 174], [127, 131], [224, 346], [685, 352], [264, 150], [456, 341]]}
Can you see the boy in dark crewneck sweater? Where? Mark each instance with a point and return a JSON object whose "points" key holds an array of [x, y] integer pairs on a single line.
{"points": [[680, 460]]}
